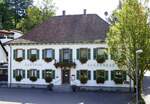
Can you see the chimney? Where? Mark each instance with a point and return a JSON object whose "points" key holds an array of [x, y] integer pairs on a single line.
{"points": [[84, 11], [63, 12]]}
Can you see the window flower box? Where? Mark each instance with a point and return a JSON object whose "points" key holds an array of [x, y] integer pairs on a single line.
{"points": [[19, 59], [18, 78], [33, 58], [48, 79], [83, 79], [33, 78], [64, 64], [48, 59], [83, 60], [100, 80]]}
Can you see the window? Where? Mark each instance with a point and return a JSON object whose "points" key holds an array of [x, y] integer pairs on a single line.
{"points": [[100, 76], [19, 72], [33, 54], [48, 54], [47, 73], [19, 54], [98, 52], [66, 55], [84, 73], [83, 54], [100, 55], [33, 73], [119, 76]]}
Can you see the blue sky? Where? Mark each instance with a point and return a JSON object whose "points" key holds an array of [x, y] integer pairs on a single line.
{"points": [[77, 6]]}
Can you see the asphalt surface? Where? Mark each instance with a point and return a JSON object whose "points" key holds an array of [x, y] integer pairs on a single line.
{"points": [[43, 96]]}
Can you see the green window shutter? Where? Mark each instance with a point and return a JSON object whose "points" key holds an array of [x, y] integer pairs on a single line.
{"points": [[43, 74], [78, 53], [89, 75], [53, 74], [78, 74], [23, 73], [23, 54], [15, 54], [112, 74], [71, 55], [106, 75], [60, 55], [43, 53], [28, 53], [28, 73], [95, 53], [89, 54], [124, 75], [94, 75], [53, 53], [38, 74], [14, 73], [38, 53]]}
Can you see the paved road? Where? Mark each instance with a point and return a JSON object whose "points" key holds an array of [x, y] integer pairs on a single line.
{"points": [[43, 96], [146, 85]]}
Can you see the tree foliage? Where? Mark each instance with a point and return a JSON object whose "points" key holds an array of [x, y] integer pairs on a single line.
{"points": [[6, 16], [36, 15], [130, 31]]}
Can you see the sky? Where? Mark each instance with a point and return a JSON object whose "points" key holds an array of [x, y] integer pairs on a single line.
{"points": [[77, 6]]}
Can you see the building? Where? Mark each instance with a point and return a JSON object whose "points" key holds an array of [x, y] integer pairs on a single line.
{"points": [[67, 49], [6, 36]]}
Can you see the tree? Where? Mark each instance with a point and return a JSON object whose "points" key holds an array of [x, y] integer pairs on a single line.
{"points": [[6, 16], [129, 32], [36, 16], [19, 7]]}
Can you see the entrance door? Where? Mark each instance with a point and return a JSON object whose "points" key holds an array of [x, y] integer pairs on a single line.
{"points": [[65, 76]]}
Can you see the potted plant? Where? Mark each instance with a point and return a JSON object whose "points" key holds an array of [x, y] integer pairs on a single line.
{"points": [[33, 78], [18, 78], [33, 58], [48, 79], [65, 64], [118, 78], [48, 59], [19, 59], [83, 60], [100, 79], [83, 79]]}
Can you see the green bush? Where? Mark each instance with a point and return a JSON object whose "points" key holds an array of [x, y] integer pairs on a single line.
{"points": [[48, 79], [83, 79], [48, 59], [83, 60], [33, 58], [33, 78], [19, 59], [101, 58], [100, 80], [18, 78]]}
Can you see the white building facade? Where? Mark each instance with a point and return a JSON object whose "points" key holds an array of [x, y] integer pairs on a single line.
{"points": [[59, 61]]}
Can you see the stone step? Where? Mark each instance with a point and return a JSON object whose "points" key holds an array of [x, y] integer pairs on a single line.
{"points": [[62, 88]]}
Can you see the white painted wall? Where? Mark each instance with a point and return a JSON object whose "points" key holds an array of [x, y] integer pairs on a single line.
{"points": [[41, 65], [3, 57]]}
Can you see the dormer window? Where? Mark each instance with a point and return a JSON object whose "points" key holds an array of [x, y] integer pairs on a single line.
{"points": [[83, 54], [33, 54], [48, 54], [19, 55]]}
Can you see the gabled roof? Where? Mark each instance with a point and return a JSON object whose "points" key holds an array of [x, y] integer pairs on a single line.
{"points": [[68, 29], [2, 32]]}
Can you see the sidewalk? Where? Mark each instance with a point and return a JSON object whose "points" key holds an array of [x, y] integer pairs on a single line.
{"points": [[146, 87]]}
